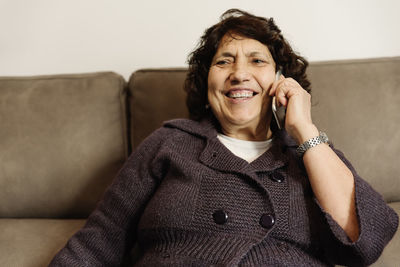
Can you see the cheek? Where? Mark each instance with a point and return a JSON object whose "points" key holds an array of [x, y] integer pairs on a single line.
{"points": [[213, 99], [216, 78], [266, 82], [215, 84], [210, 95], [210, 86], [211, 77]]}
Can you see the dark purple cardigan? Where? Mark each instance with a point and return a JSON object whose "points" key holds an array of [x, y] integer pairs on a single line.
{"points": [[188, 201]]}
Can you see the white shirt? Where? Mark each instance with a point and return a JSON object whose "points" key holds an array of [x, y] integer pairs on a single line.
{"points": [[247, 150]]}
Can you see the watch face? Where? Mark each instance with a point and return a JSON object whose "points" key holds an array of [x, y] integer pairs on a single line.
{"points": [[324, 137]]}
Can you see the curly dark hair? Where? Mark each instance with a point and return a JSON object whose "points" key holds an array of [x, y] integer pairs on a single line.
{"points": [[244, 24]]}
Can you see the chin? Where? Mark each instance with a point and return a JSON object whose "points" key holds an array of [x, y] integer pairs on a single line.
{"points": [[243, 120]]}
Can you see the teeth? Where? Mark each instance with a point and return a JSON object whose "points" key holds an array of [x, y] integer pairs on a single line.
{"points": [[240, 94]]}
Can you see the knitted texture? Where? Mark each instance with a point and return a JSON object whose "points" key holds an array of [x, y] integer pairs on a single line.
{"points": [[166, 194]]}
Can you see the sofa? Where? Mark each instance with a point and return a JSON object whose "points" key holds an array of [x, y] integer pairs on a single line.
{"points": [[64, 137]]}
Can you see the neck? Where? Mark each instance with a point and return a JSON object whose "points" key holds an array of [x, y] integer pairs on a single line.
{"points": [[259, 133]]}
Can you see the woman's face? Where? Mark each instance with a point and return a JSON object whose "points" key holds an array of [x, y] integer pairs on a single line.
{"points": [[241, 74]]}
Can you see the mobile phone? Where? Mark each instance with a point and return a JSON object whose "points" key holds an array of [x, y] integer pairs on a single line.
{"points": [[280, 112]]}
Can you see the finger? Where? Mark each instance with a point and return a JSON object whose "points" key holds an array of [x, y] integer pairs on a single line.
{"points": [[276, 84], [281, 91], [273, 88], [281, 98], [291, 88]]}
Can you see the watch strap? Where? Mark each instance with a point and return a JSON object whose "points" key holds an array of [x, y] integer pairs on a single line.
{"points": [[320, 139]]}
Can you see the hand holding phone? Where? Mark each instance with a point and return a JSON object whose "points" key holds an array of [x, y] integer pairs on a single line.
{"points": [[280, 112]]}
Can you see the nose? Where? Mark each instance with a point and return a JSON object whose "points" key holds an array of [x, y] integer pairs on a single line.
{"points": [[240, 73]]}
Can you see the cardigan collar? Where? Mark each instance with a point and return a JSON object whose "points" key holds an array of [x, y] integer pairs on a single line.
{"points": [[217, 156]]}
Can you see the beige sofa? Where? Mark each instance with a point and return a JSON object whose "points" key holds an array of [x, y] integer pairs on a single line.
{"points": [[64, 137]]}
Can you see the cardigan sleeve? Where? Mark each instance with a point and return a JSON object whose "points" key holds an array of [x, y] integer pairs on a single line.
{"points": [[377, 223], [111, 228]]}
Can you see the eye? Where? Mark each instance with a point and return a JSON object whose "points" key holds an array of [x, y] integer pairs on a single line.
{"points": [[222, 62], [259, 61]]}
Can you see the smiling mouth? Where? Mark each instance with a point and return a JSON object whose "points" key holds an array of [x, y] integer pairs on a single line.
{"points": [[240, 94]]}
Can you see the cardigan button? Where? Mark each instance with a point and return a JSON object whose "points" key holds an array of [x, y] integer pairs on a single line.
{"points": [[220, 217], [166, 255], [267, 220], [277, 177]]}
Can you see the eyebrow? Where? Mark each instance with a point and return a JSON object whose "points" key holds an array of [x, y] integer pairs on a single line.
{"points": [[256, 53], [251, 54]]}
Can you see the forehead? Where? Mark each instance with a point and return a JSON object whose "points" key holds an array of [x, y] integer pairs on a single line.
{"points": [[231, 41]]}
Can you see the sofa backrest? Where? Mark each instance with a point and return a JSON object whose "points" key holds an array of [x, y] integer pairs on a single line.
{"points": [[155, 95], [355, 101], [358, 103], [62, 140]]}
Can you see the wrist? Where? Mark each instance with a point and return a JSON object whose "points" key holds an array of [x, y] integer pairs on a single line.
{"points": [[306, 134]]}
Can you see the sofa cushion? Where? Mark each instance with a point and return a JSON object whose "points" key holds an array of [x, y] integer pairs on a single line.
{"points": [[357, 103], [155, 95], [62, 140], [34, 242]]}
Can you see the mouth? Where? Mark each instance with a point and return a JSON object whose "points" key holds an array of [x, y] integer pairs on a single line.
{"points": [[240, 94]]}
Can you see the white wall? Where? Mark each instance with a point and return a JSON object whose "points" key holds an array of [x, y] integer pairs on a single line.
{"points": [[72, 36]]}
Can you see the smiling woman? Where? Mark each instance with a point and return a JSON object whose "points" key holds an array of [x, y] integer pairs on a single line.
{"points": [[227, 187]]}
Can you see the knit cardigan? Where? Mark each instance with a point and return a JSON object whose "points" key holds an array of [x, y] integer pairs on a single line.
{"points": [[186, 200]]}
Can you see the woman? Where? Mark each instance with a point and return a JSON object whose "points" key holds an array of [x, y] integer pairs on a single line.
{"points": [[228, 187]]}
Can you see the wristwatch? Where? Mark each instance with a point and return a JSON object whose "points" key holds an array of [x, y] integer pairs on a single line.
{"points": [[322, 138]]}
